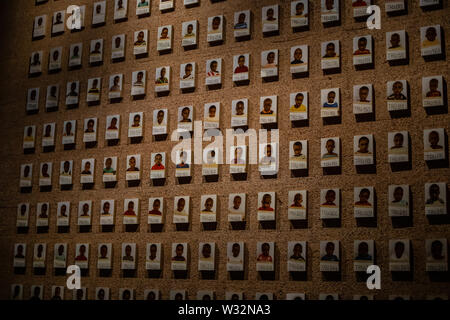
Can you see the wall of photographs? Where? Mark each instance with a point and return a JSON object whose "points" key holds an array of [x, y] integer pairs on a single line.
{"points": [[359, 175]]}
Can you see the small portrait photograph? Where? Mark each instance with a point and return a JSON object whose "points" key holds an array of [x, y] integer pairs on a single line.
{"points": [[75, 53], [238, 159], [363, 202], [98, 12], [109, 169], [398, 200], [84, 212], [126, 294], [329, 256], [362, 49], [63, 213], [396, 45], [363, 251], [54, 61], [330, 102], [211, 115], [69, 128], [152, 294], [434, 141], [177, 295], [299, 59], [397, 93], [19, 254], [112, 127], [156, 207], [65, 172], [36, 62], [33, 99], [330, 203], [362, 98], [183, 161], [72, 93], [268, 156], [60, 255], [118, 46], [165, 4], [330, 151], [239, 111], [179, 256], [270, 18], [80, 294], [140, 42], [26, 174], [142, 7], [185, 116], [264, 256], [299, 13], [187, 75], [210, 161], [128, 254], [268, 109], [162, 79], [240, 67], [107, 212], [330, 53], [39, 253], [298, 154], [90, 130], [266, 206], [236, 206], [58, 22], [435, 198], [297, 204], [296, 255], [160, 121], [16, 292], [42, 214], [430, 37], [138, 83], [234, 295], [158, 161], [436, 251], [57, 293], [241, 24], [39, 26], [329, 11], [298, 106], [189, 33], [235, 256], [115, 86], [399, 259], [45, 174], [36, 292], [398, 146], [153, 256], [96, 51], [29, 137], [181, 209], [208, 208], [269, 63], [213, 71], [164, 37], [87, 167], [104, 253], [82, 255], [52, 96], [94, 89], [215, 28], [363, 150], [206, 252], [120, 9], [135, 122], [432, 91], [131, 210], [23, 212]]}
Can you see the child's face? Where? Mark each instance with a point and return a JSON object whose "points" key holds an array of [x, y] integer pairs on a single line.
{"points": [[330, 49], [364, 145], [363, 197], [132, 162], [241, 61], [398, 140], [216, 23], [240, 108], [363, 94], [433, 138], [236, 202], [268, 150], [185, 114], [271, 57], [241, 18], [130, 205], [158, 159], [398, 194], [329, 4], [433, 85], [214, 66], [298, 199], [188, 70], [329, 249], [430, 34], [330, 97], [362, 43], [298, 54], [397, 88], [156, 205], [297, 150], [330, 146], [434, 192], [190, 28], [164, 33], [267, 104], [208, 204], [299, 100], [180, 204], [108, 163], [235, 250], [160, 117], [270, 14], [179, 251], [265, 250], [330, 196], [395, 40], [212, 112], [266, 201], [299, 8]]}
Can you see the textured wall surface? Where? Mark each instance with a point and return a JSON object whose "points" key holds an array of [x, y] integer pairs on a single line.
{"points": [[17, 45]]}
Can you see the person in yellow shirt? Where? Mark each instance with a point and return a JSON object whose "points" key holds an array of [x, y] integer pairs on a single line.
{"points": [[299, 106], [431, 39]]}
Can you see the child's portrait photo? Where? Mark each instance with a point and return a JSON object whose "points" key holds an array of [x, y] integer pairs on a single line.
{"points": [[266, 206], [206, 253], [138, 79], [183, 161], [33, 99], [436, 251], [187, 75], [238, 159], [236, 206], [19, 254], [118, 46], [268, 157], [45, 174], [131, 211], [26, 173], [213, 71], [84, 212], [241, 25], [270, 18], [330, 151], [87, 170], [120, 9], [215, 28], [135, 120], [104, 253], [39, 26], [75, 53], [297, 201], [126, 294], [162, 79], [133, 166], [296, 255], [298, 154], [363, 253], [72, 93], [432, 91], [128, 254], [362, 49], [240, 67], [102, 293], [430, 37], [164, 37], [299, 13], [90, 130], [239, 112], [398, 146], [68, 135], [363, 198], [433, 141], [362, 99], [42, 214], [29, 136], [329, 256], [299, 59], [179, 256], [363, 150], [112, 127], [399, 259], [54, 61], [435, 198], [109, 169], [269, 63], [107, 208], [189, 33], [60, 254], [329, 203], [142, 7], [94, 89], [158, 165], [98, 12], [235, 256], [153, 256], [268, 109], [185, 117], [65, 172], [208, 205], [264, 256], [36, 62], [160, 121], [156, 210], [210, 161], [82, 255], [165, 4], [329, 11], [397, 95], [396, 45], [23, 212], [330, 53], [52, 96], [330, 99], [181, 209], [398, 200], [115, 86], [96, 51]]}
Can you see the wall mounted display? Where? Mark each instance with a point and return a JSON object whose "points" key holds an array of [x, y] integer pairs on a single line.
{"points": [[268, 109], [32, 99], [68, 134], [120, 9], [110, 169], [118, 47], [239, 113], [39, 26], [364, 205], [72, 93], [142, 7], [432, 91], [162, 79], [269, 63], [330, 102], [215, 29], [433, 142], [242, 24], [363, 99], [399, 200], [160, 121], [330, 206], [189, 33], [115, 86], [112, 127], [392, 6], [330, 152], [399, 255], [213, 72], [165, 5], [128, 256], [397, 95], [185, 118], [208, 208], [29, 137], [435, 198], [26, 174], [179, 256], [54, 61], [183, 161], [87, 170], [133, 167], [36, 63], [104, 256], [90, 130], [268, 158], [362, 50], [153, 256], [131, 211], [158, 165], [398, 146], [206, 254], [23, 213], [436, 250], [135, 124], [296, 255], [330, 54], [430, 38], [299, 59], [363, 253], [270, 19], [363, 150], [298, 204], [63, 214], [82, 256], [65, 172], [187, 75], [156, 210], [265, 256], [75, 55], [84, 213], [396, 45], [299, 13], [138, 86], [52, 97], [96, 51], [45, 174], [99, 13], [240, 67], [329, 11], [107, 209], [329, 256], [60, 255], [164, 37], [181, 209], [266, 206], [360, 8], [298, 155]]}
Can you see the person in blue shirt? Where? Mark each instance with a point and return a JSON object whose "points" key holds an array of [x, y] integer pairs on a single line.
{"points": [[331, 103], [241, 22], [329, 256]]}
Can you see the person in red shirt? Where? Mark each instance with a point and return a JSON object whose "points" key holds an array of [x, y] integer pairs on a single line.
{"points": [[130, 211], [362, 47], [265, 256], [158, 163], [81, 254], [156, 206], [241, 65], [265, 203]]}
